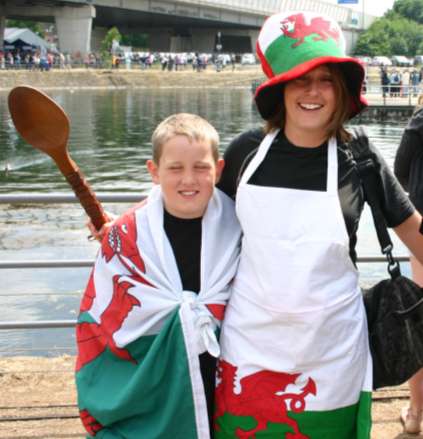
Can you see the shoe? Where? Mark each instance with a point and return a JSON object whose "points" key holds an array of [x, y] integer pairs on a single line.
{"points": [[410, 420]]}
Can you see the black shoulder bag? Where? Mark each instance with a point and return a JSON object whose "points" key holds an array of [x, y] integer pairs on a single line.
{"points": [[394, 306]]}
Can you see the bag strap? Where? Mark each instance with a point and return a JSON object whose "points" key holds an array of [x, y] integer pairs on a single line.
{"points": [[371, 183]]}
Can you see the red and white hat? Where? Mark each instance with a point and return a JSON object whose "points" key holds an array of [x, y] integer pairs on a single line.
{"points": [[291, 44]]}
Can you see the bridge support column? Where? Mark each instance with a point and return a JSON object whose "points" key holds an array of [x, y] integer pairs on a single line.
{"points": [[74, 25], [254, 37]]}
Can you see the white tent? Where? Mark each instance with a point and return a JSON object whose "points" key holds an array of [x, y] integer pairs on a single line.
{"points": [[25, 37]]}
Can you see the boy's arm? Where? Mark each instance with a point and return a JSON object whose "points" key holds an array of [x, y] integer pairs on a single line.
{"points": [[98, 235]]}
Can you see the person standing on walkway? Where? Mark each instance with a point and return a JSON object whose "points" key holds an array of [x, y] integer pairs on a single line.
{"points": [[405, 83], [384, 80], [415, 81], [395, 83], [295, 351], [408, 167]]}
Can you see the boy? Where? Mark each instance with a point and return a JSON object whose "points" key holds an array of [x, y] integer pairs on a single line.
{"points": [[146, 330]]}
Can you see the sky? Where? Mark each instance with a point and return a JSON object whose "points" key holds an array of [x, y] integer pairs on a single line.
{"points": [[371, 7]]}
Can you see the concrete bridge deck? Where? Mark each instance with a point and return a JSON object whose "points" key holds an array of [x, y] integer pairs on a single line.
{"points": [[171, 24]]}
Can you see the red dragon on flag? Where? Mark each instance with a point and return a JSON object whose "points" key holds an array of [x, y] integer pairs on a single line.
{"points": [[295, 27], [260, 398], [92, 337]]}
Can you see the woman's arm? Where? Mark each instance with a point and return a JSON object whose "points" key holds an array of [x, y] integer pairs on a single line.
{"points": [[410, 234], [409, 146]]}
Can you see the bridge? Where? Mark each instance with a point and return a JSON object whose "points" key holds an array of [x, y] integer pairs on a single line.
{"points": [[172, 25]]}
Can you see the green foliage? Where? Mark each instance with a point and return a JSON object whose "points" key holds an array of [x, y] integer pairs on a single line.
{"points": [[390, 35], [411, 9], [112, 35], [106, 45], [33, 25], [138, 41]]}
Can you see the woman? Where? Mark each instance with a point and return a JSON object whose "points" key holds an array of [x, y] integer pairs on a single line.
{"points": [[408, 168], [295, 357]]}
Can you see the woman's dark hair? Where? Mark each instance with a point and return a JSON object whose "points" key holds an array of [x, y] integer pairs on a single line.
{"points": [[340, 116]]}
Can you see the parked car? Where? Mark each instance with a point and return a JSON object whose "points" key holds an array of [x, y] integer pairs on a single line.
{"points": [[418, 60], [381, 61], [367, 60], [401, 61], [248, 58]]}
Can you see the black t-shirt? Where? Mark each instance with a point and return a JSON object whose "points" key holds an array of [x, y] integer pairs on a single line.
{"points": [[290, 166], [408, 164], [185, 239]]}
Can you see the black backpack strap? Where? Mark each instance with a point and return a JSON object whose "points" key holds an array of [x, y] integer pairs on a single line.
{"points": [[371, 184]]}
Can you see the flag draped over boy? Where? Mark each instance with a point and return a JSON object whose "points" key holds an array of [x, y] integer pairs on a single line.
{"points": [[140, 334]]}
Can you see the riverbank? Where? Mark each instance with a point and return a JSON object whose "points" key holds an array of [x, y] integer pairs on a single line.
{"points": [[244, 77], [136, 78], [38, 400]]}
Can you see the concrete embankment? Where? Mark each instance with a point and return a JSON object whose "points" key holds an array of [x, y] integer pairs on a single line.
{"points": [[93, 78]]}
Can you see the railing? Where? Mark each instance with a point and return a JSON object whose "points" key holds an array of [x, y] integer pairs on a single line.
{"points": [[52, 198], [378, 95], [29, 198]]}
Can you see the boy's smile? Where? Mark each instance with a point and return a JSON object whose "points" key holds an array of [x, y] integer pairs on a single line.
{"points": [[187, 173]]}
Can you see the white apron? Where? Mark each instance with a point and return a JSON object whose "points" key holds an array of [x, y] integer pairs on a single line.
{"points": [[294, 338]]}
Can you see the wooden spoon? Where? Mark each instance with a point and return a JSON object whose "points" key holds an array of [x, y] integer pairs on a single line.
{"points": [[44, 125]]}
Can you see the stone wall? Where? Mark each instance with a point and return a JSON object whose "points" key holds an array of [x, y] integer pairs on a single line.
{"points": [[90, 78]]}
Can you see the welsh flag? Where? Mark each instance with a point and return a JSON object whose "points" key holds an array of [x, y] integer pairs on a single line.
{"points": [[139, 333], [258, 396], [286, 33]]}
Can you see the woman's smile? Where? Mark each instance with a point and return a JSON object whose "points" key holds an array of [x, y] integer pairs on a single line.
{"points": [[309, 104], [310, 107]]}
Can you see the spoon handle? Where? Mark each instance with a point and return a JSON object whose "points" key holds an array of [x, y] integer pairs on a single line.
{"points": [[87, 198]]}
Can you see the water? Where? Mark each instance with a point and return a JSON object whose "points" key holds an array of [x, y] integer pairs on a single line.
{"points": [[110, 141]]}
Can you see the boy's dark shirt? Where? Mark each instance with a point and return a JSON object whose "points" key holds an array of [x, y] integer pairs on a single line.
{"points": [[185, 239]]}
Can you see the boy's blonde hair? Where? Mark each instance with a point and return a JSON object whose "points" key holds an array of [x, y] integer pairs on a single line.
{"points": [[190, 125]]}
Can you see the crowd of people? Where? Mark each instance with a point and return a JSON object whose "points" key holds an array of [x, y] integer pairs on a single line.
{"points": [[43, 60], [166, 61], [400, 83]]}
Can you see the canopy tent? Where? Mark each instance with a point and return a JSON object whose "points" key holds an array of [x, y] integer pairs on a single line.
{"points": [[18, 38]]}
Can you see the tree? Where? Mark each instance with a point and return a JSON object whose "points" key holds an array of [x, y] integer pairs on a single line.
{"points": [[139, 41], [411, 9], [107, 44], [390, 35]]}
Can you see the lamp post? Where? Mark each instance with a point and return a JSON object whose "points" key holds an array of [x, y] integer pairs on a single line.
{"points": [[363, 14]]}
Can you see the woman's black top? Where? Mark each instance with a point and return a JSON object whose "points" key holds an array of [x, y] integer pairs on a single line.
{"points": [[185, 239], [408, 165], [289, 166]]}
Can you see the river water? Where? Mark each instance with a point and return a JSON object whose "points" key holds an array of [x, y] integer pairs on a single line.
{"points": [[110, 141]]}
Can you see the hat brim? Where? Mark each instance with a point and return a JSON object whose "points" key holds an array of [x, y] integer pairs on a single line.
{"points": [[268, 95]]}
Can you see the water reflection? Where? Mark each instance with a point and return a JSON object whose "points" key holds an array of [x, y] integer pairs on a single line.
{"points": [[110, 141]]}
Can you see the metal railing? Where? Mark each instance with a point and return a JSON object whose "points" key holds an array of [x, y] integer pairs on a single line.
{"points": [[53, 198]]}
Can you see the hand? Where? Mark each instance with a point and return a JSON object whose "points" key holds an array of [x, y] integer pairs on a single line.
{"points": [[100, 234]]}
